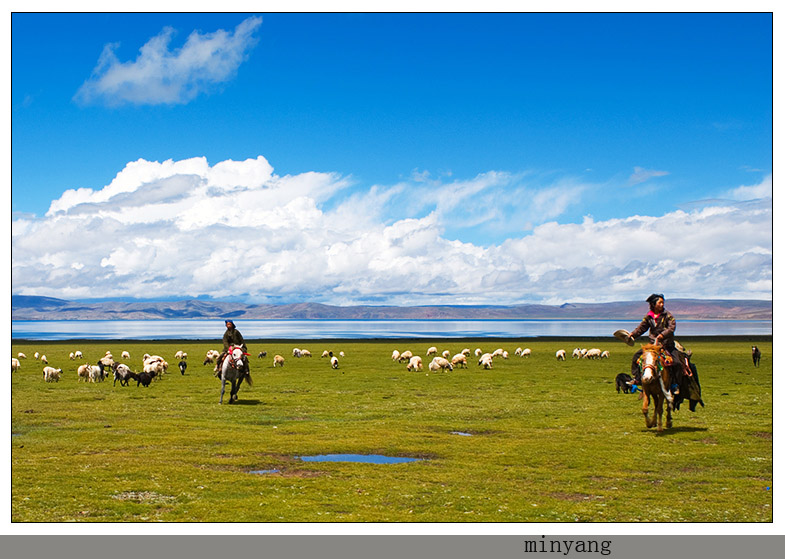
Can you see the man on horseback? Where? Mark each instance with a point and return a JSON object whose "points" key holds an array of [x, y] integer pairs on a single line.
{"points": [[232, 338], [661, 326]]}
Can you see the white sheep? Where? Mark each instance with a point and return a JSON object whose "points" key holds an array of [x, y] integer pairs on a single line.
{"points": [[431, 351], [305, 353], [325, 353], [505, 355], [466, 351], [296, 352], [446, 353], [77, 354], [477, 352], [71, 356], [459, 359], [526, 352], [21, 355], [561, 355], [576, 353], [439, 364], [605, 354], [83, 372], [486, 361], [592, 353], [122, 372], [342, 354], [518, 351], [405, 356], [278, 361], [396, 355], [95, 373], [15, 366], [36, 355], [497, 353], [51, 374], [44, 360], [334, 362], [415, 363], [125, 355]]}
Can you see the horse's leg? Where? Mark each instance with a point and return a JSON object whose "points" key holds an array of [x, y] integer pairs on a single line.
{"points": [[645, 408], [235, 389], [669, 417], [658, 401], [223, 388]]}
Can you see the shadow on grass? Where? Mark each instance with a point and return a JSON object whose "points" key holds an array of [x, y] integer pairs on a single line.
{"points": [[677, 429], [245, 403]]}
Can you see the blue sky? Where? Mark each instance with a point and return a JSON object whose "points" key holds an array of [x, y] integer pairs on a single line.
{"points": [[392, 158]]}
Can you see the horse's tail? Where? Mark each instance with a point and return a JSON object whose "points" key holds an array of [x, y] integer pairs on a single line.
{"points": [[247, 378]]}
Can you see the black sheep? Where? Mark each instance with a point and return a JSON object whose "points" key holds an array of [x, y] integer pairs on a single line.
{"points": [[755, 356], [142, 378], [621, 383], [182, 364]]}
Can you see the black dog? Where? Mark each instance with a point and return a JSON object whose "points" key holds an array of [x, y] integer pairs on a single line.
{"points": [[755, 356], [621, 383]]}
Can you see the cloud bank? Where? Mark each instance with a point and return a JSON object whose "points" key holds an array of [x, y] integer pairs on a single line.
{"points": [[238, 230], [163, 76]]}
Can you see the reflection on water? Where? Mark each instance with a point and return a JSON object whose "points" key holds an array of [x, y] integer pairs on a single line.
{"points": [[366, 458], [361, 329]]}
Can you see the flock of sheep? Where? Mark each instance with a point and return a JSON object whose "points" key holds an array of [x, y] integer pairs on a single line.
{"points": [[446, 361], [154, 366]]}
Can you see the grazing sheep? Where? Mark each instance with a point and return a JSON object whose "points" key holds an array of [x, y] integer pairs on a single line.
{"points": [[477, 352], [497, 353], [77, 354], [466, 351], [518, 351], [44, 360], [71, 356], [459, 359], [561, 355], [576, 353], [125, 355], [526, 352], [439, 364], [326, 353], [211, 356], [142, 378], [21, 355], [15, 366], [505, 355], [122, 372], [446, 353], [605, 354], [96, 372], [341, 354], [51, 374], [36, 355], [261, 354], [296, 352], [178, 354], [431, 351], [486, 361], [305, 353], [396, 355], [593, 353], [334, 362], [415, 363], [278, 361], [405, 356], [83, 372], [182, 365]]}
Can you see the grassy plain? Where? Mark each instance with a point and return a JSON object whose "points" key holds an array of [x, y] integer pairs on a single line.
{"points": [[533, 440]]}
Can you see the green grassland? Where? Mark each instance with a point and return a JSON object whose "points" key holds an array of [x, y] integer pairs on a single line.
{"points": [[533, 440]]}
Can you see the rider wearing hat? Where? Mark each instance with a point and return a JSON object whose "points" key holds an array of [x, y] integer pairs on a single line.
{"points": [[661, 326], [232, 337]]}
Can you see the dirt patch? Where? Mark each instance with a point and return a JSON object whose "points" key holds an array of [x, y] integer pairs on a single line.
{"points": [[709, 440], [762, 434]]}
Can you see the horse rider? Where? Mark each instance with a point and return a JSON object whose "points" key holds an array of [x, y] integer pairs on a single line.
{"points": [[232, 338], [661, 326]]}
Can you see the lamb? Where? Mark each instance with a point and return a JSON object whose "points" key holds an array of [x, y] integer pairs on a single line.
{"points": [[125, 355], [605, 354], [431, 351], [122, 372], [334, 362], [561, 355], [51, 374], [446, 353], [182, 365], [439, 364], [15, 366], [278, 361], [526, 352], [459, 359], [415, 363]]}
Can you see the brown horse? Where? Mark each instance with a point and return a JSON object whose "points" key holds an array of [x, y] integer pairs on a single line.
{"points": [[656, 379]]}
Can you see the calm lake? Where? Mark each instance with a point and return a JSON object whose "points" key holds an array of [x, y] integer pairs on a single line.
{"points": [[361, 329]]}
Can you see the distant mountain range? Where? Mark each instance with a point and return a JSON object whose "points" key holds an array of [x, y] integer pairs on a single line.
{"points": [[24, 307]]}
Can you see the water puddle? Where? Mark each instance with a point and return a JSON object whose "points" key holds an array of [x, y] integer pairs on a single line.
{"points": [[263, 472], [461, 433], [366, 458]]}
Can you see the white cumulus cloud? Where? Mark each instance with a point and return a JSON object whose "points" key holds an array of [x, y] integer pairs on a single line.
{"points": [[237, 229], [161, 75]]}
